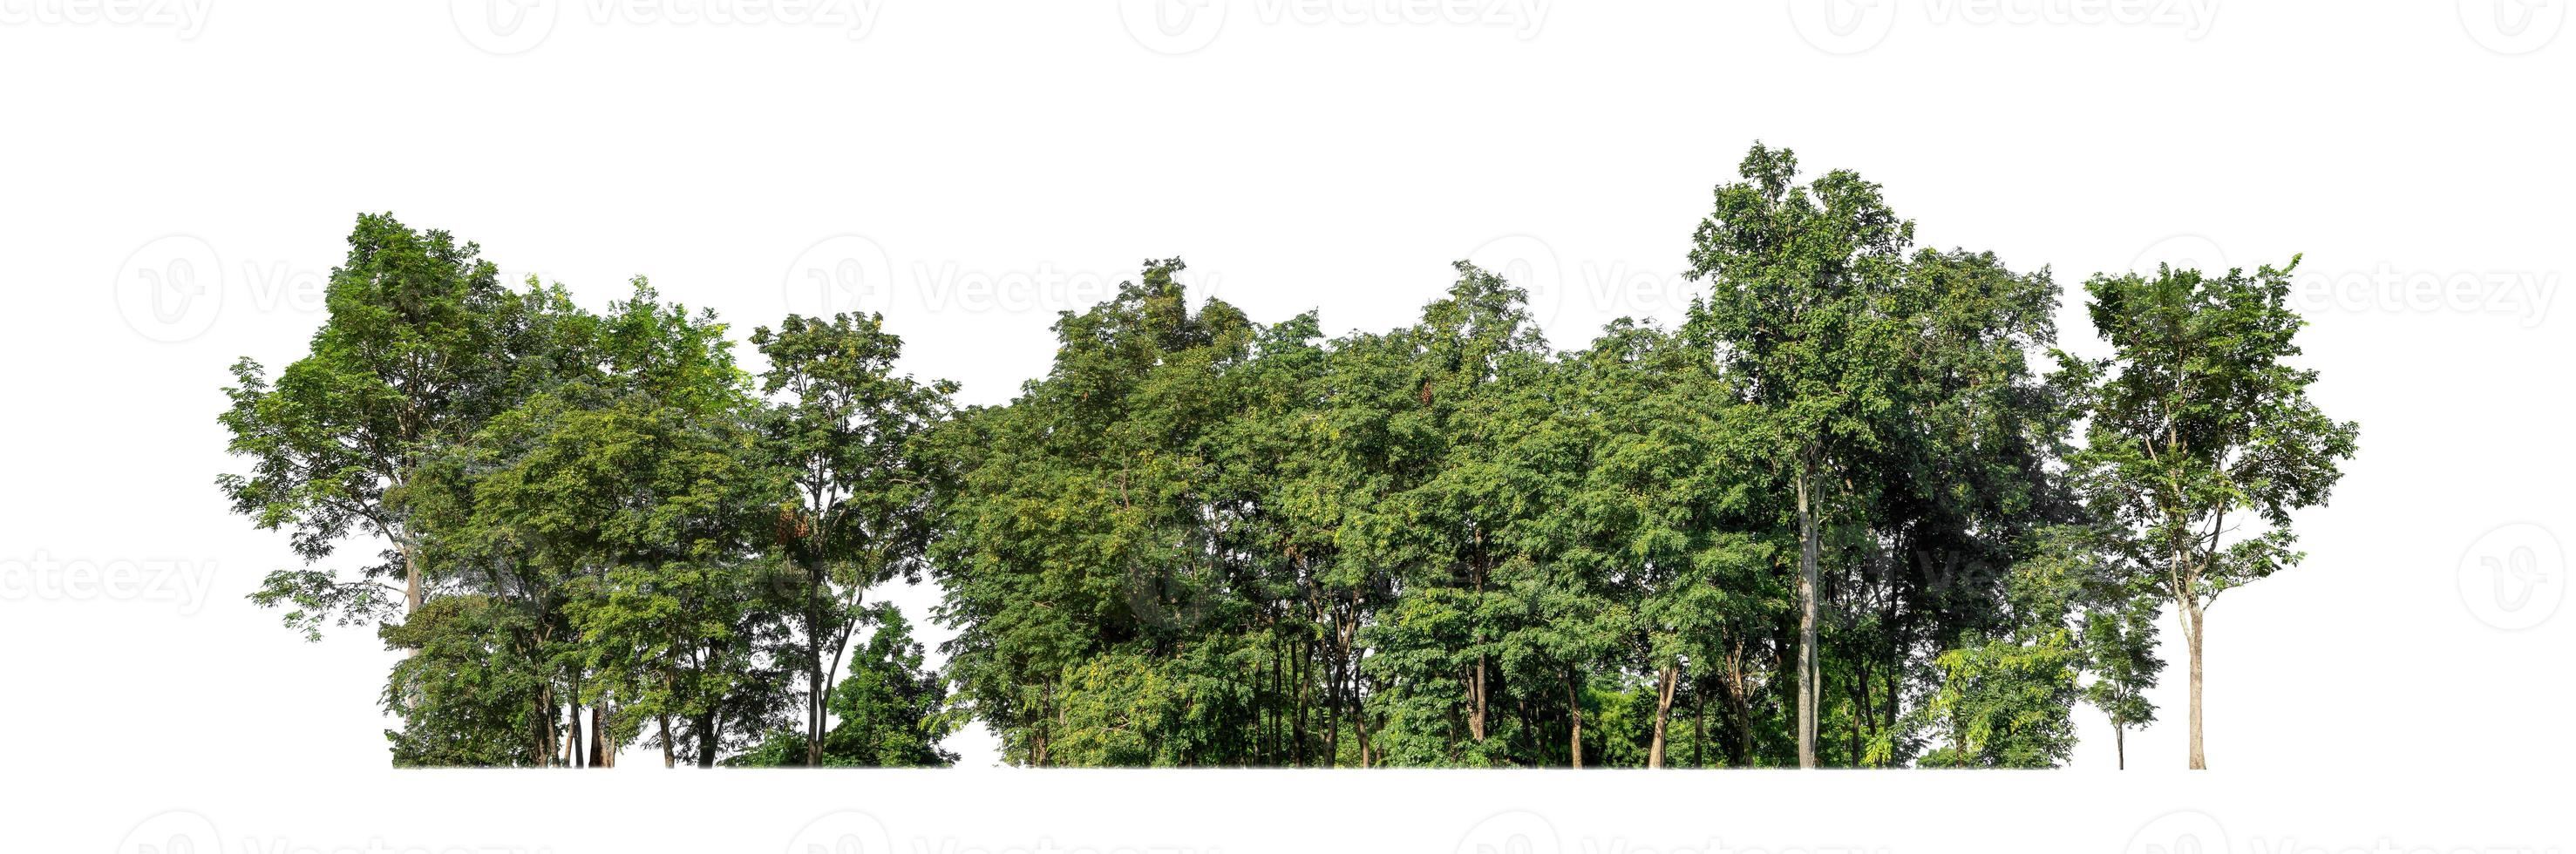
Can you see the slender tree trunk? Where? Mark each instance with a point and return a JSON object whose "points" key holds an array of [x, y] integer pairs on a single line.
{"points": [[1807, 670], [814, 665], [599, 734], [1359, 718], [1340, 700], [546, 727], [572, 737], [1046, 694], [707, 743], [670, 752], [2120, 745], [1739, 697], [411, 581], [1699, 724], [1297, 724], [2193, 630], [1663, 714], [1574, 706]]}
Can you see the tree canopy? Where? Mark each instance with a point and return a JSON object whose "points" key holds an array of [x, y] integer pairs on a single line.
{"points": [[1854, 510]]}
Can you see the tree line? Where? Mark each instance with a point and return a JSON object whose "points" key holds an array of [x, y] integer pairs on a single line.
{"points": [[1856, 509]]}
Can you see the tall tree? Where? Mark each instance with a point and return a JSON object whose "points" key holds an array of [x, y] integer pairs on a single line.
{"points": [[1800, 277], [848, 433], [421, 345], [2199, 425]]}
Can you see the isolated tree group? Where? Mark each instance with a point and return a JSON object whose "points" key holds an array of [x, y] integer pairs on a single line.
{"points": [[1855, 510]]}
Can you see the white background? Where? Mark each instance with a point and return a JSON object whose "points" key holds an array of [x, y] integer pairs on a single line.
{"points": [[971, 168]]}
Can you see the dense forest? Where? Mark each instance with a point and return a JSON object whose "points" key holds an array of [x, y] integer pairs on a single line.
{"points": [[1857, 509]]}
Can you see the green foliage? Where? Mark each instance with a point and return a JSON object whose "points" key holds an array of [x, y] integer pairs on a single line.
{"points": [[421, 343], [891, 710], [2003, 705], [1836, 518]]}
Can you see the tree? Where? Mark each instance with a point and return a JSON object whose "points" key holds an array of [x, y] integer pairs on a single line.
{"points": [[1664, 509], [2003, 705], [1800, 276], [422, 344], [890, 712], [2198, 421], [2006, 700], [848, 435], [2119, 646]]}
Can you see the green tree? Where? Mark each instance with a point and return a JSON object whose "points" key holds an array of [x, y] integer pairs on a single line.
{"points": [[2119, 644], [2198, 426], [422, 344], [890, 712], [848, 435], [1801, 277]]}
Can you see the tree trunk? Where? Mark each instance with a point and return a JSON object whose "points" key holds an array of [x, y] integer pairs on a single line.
{"points": [[2192, 629], [707, 743], [411, 583], [670, 752], [1663, 714], [814, 666], [546, 729], [572, 737], [2120, 745], [1699, 724], [1807, 670], [1298, 671], [1574, 707], [599, 734]]}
